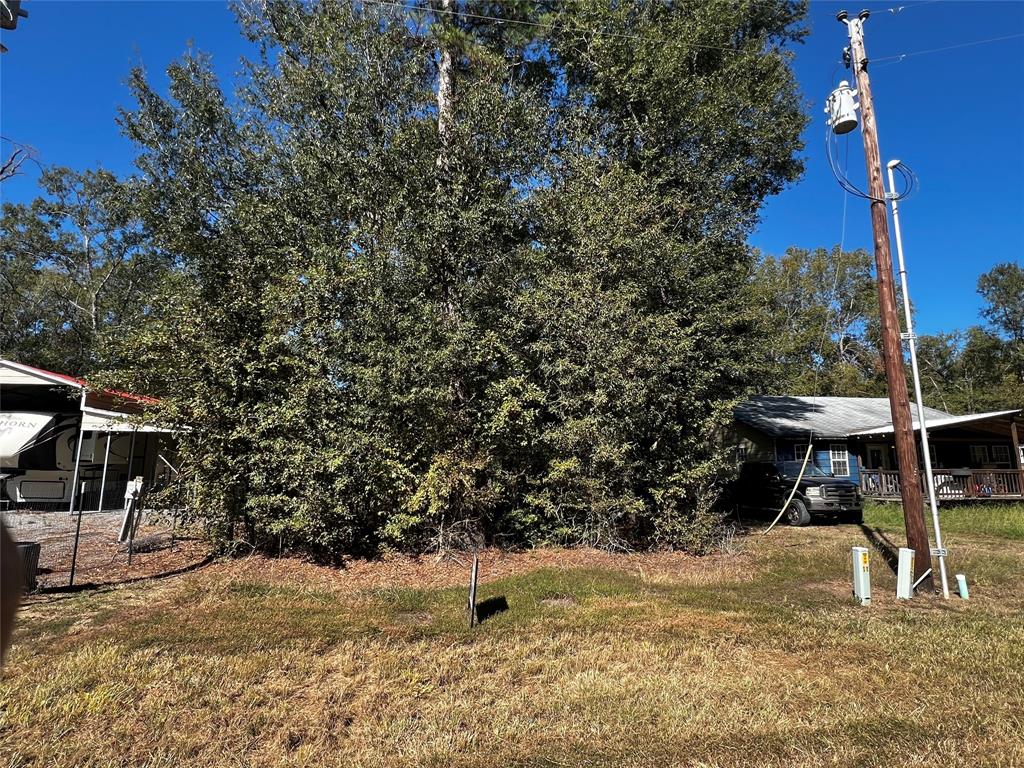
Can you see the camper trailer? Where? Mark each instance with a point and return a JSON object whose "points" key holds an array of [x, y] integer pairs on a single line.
{"points": [[62, 443]]}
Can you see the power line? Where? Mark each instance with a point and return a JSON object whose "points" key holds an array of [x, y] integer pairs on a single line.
{"points": [[909, 179], [846, 198], [902, 56], [897, 9], [546, 25], [665, 40], [848, 186]]}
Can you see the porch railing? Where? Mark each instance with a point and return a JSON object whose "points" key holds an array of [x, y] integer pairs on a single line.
{"points": [[949, 484]]}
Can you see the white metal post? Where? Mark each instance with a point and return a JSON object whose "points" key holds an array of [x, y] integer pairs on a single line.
{"points": [[912, 344], [131, 453], [861, 561], [103, 477], [78, 464], [905, 574]]}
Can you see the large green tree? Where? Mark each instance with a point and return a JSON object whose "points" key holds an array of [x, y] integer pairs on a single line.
{"points": [[76, 265], [1002, 288], [439, 276], [981, 369], [820, 310]]}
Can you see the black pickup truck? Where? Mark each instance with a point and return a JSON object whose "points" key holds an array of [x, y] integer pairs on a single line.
{"points": [[764, 486]]}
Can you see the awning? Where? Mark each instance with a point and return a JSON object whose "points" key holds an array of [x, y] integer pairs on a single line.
{"points": [[96, 420], [18, 430], [949, 421]]}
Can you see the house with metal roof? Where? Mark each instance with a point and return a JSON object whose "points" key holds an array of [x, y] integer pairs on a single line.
{"points": [[63, 442], [977, 456]]}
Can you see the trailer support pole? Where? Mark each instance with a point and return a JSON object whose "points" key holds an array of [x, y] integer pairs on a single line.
{"points": [[78, 533], [78, 464], [103, 477], [133, 508]]}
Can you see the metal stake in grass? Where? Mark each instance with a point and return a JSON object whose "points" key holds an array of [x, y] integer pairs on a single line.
{"points": [[472, 588], [78, 533]]}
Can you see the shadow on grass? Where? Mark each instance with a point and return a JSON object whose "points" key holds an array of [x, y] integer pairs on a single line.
{"points": [[492, 606], [92, 586], [883, 545]]}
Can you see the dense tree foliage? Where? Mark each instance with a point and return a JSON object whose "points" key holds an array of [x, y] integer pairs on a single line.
{"points": [[439, 276]]}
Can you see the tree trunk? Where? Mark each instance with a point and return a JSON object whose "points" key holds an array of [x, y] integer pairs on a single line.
{"points": [[445, 129], [445, 93]]}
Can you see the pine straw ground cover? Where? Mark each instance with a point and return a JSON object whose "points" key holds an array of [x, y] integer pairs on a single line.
{"points": [[756, 658]]}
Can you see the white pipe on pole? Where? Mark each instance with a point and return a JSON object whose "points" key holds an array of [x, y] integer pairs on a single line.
{"points": [[912, 343]]}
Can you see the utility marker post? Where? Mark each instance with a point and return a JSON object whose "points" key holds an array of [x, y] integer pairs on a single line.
{"points": [[892, 350], [471, 603]]}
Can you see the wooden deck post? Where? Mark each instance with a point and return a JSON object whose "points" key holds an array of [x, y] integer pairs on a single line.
{"points": [[1016, 453]]}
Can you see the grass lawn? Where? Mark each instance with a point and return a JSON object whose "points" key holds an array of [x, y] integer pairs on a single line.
{"points": [[754, 658]]}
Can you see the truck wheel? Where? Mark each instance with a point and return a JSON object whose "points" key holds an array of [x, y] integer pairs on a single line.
{"points": [[855, 518], [797, 514]]}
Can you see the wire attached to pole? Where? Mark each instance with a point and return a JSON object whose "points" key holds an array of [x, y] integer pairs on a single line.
{"points": [[792, 493]]}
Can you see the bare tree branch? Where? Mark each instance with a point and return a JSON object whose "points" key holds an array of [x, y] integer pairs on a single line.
{"points": [[20, 154]]}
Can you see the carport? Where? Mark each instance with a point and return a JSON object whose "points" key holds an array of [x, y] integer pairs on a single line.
{"points": [[66, 445]]}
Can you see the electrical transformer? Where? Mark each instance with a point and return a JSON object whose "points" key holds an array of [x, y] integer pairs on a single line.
{"points": [[842, 109]]}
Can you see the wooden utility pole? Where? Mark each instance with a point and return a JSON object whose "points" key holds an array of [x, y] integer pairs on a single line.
{"points": [[892, 349]]}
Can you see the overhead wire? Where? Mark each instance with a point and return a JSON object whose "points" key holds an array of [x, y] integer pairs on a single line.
{"points": [[897, 9], [896, 58], [891, 59], [848, 186], [816, 388], [882, 60], [549, 25], [851, 188]]}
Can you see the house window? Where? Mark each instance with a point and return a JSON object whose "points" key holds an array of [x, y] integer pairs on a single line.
{"points": [[979, 455], [1001, 454], [931, 454], [742, 451], [799, 451], [840, 460]]}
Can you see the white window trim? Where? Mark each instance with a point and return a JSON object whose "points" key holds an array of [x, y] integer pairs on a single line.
{"points": [[833, 455]]}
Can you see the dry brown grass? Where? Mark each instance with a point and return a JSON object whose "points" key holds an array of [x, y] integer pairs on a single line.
{"points": [[757, 659]]}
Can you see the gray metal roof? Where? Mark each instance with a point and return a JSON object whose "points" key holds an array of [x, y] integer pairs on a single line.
{"points": [[789, 415]]}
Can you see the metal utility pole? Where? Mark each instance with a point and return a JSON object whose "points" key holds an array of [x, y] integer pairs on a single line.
{"points": [[892, 351], [926, 456]]}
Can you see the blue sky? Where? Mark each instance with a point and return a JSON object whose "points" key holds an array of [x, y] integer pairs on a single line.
{"points": [[956, 117]]}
